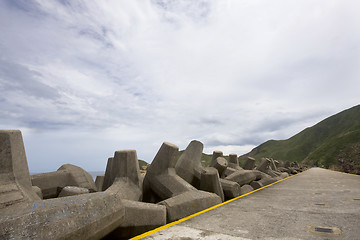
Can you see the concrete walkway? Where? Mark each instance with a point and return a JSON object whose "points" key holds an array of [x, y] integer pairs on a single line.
{"points": [[316, 204]]}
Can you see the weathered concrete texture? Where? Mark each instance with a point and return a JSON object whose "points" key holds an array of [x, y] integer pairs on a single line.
{"points": [[210, 182], [264, 165], [123, 178], [139, 217], [231, 189], [273, 165], [242, 177], [124, 164], [15, 186], [161, 183], [122, 175], [229, 170], [190, 169], [188, 203], [267, 166], [67, 175], [71, 191], [99, 181], [246, 189], [249, 164], [38, 192], [265, 180], [23, 215], [285, 210], [87, 216], [234, 162], [220, 164], [188, 166], [125, 189]]}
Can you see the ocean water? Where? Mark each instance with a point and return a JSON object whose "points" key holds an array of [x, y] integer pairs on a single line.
{"points": [[96, 173]]}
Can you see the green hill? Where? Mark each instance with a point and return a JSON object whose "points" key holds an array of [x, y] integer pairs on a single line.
{"points": [[142, 163], [333, 142]]}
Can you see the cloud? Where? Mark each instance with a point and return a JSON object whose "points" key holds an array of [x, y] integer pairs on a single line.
{"points": [[103, 76]]}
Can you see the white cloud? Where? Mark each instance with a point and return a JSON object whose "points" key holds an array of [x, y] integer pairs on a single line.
{"points": [[95, 77]]}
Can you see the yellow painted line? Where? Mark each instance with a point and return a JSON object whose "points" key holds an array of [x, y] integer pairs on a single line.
{"points": [[206, 210], [343, 172]]}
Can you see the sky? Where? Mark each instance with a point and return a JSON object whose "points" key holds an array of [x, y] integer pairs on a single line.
{"points": [[82, 79]]}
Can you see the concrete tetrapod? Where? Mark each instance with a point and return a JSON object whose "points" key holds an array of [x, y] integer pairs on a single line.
{"points": [[140, 217], [234, 162], [246, 189], [249, 163], [51, 183], [265, 180], [188, 166], [122, 175], [231, 189], [220, 164], [99, 181], [71, 191], [210, 182], [161, 183], [23, 215], [15, 182], [123, 178], [243, 177]]}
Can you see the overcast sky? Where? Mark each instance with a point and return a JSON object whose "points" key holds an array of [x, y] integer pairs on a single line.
{"points": [[82, 79]]}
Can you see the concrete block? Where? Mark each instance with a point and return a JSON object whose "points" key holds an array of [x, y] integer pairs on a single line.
{"points": [[249, 163], [86, 216], [256, 184], [210, 182], [228, 171], [15, 184], [125, 189], [38, 192], [234, 162], [25, 216], [124, 164], [161, 183], [277, 163], [67, 175], [139, 218], [273, 165], [188, 203], [287, 164], [283, 175], [107, 181], [215, 155], [265, 180], [283, 169], [71, 191], [242, 177], [99, 182], [122, 175], [188, 166], [231, 189], [220, 164], [246, 189], [264, 165]]}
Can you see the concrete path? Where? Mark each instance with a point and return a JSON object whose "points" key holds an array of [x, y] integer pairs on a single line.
{"points": [[316, 204]]}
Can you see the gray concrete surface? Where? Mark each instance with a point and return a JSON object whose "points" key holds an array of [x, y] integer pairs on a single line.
{"points": [[316, 204]]}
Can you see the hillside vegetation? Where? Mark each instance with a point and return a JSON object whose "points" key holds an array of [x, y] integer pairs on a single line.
{"points": [[332, 143]]}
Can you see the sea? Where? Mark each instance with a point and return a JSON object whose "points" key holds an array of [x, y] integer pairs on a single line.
{"points": [[96, 173]]}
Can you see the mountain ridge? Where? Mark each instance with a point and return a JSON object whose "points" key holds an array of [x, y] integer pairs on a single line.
{"points": [[332, 143]]}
